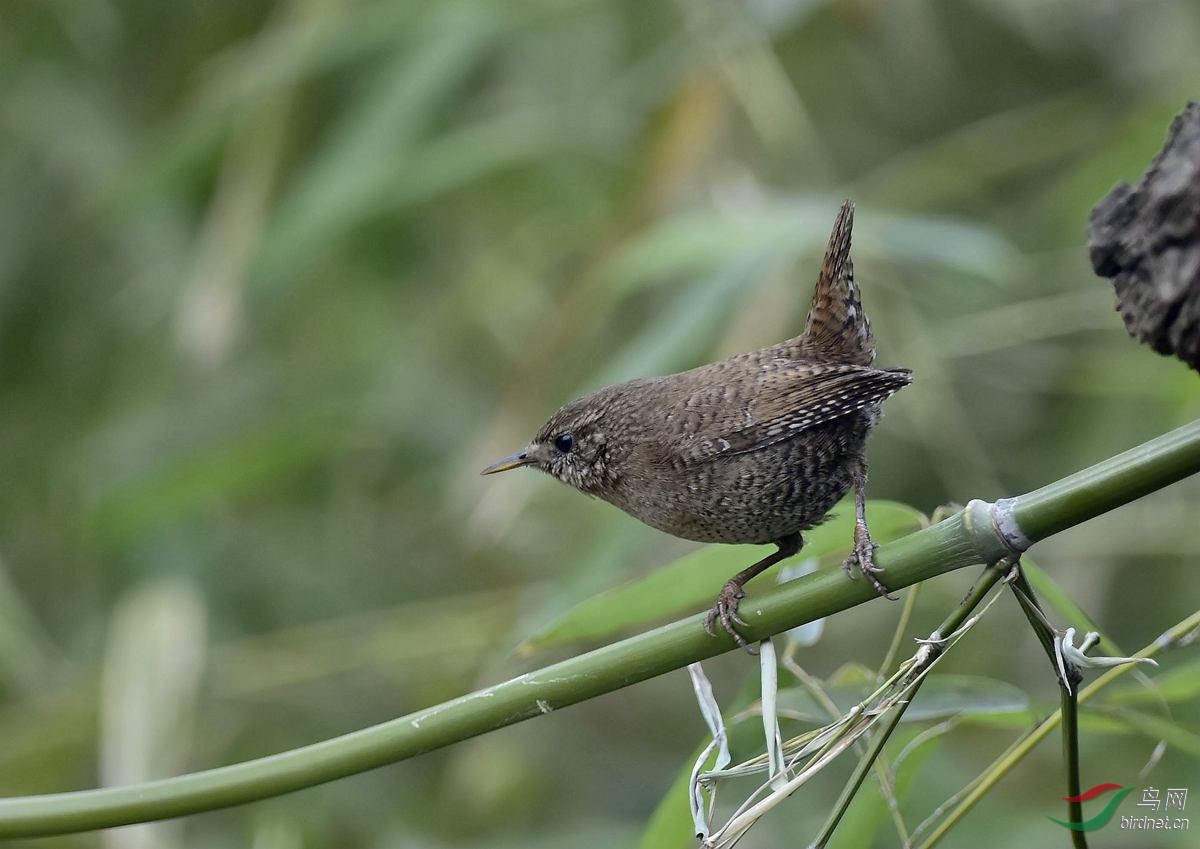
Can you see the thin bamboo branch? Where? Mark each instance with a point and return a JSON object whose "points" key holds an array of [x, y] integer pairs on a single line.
{"points": [[969, 537], [1069, 678], [951, 624], [1178, 635]]}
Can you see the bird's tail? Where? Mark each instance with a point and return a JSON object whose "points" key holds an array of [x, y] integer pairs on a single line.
{"points": [[837, 327]]}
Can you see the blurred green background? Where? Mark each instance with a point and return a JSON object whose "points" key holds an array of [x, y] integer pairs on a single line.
{"points": [[278, 279]]}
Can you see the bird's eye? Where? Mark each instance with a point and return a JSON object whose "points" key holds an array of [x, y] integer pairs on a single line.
{"points": [[564, 442]]}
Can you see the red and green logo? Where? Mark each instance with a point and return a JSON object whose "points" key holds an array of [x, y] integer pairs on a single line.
{"points": [[1101, 819]]}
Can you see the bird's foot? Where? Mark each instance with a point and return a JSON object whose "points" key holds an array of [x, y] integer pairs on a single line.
{"points": [[862, 560], [725, 611]]}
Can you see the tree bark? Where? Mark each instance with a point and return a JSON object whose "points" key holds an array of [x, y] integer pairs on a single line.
{"points": [[1146, 238]]}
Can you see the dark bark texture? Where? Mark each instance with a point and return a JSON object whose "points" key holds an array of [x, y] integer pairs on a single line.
{"points": [[1146, 238]]}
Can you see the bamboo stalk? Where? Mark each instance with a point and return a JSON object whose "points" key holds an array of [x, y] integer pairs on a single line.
{"points": [[970, 536]]}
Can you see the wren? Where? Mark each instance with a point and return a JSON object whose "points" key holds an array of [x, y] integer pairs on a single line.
{"points": [[753, 449]]}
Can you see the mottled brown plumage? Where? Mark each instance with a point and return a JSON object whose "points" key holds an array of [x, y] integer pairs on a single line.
{"points": [[753, 449]]}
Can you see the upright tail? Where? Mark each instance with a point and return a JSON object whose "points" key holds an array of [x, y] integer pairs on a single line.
{"points": [[837, 328]]}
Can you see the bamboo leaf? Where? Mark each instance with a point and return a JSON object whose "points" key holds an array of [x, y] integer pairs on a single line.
{"points": [[694, 580], [940, 696], [670, 826], [1156, 728], [1180, 684]]}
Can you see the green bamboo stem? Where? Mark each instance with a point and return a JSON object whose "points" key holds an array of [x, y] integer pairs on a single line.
{"points": [[1105, 486], [1068, 687], [1069, 710], [966, 538]]}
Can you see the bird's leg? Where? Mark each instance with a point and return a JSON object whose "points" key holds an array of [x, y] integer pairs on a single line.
{"points": [[726, 607], [862, 556]]}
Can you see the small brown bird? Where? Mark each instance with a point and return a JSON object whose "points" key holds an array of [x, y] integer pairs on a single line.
{"points": [[753, 449]]}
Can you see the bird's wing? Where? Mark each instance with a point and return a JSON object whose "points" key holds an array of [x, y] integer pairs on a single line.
{"points": [[785, 398]]}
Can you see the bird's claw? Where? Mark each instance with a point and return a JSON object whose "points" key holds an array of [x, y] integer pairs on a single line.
{"points": [[862, 560], [725, 611]]}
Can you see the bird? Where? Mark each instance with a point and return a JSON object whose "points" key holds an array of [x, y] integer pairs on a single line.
{"points": [[753, 449]]}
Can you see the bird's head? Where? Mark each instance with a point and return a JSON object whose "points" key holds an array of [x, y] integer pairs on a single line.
{"points": [[573, 446]]}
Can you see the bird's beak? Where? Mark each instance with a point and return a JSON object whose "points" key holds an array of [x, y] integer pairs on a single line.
{"points": [[512, 461]]}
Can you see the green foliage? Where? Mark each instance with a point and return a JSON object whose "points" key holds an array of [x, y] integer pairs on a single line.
{"points": [[693, 581], [940, 697]]}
